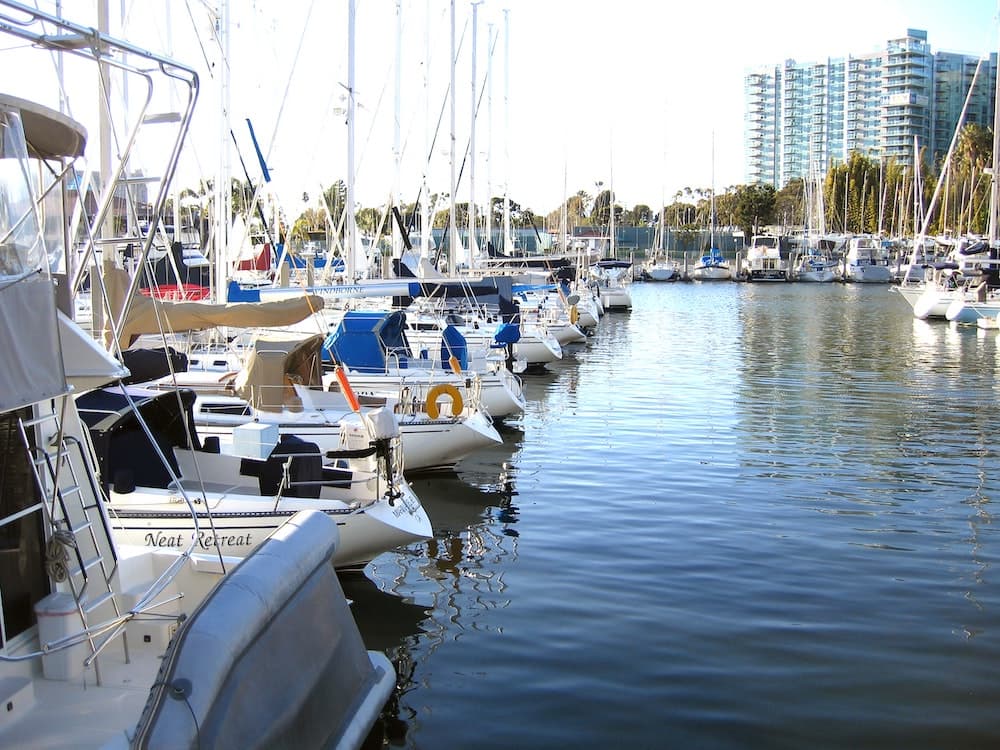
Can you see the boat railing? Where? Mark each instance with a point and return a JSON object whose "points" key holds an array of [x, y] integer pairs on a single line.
{"points": [[142, 67]]}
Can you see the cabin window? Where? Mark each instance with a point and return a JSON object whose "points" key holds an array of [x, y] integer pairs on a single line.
{"points": [[22, 577]]}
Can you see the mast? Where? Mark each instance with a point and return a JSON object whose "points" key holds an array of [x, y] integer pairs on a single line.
{"points": [[612, 230], [397, 239], [425, 208], [452, 227], [490, 33], [223, 194], [350, 240], [473, 249], [994, 231], [711, 230], [507, 245]]}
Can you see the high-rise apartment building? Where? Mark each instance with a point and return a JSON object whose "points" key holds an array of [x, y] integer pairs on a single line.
{"points": [[800, 118]]}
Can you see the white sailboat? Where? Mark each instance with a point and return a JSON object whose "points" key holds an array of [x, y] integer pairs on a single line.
{"points": [[660, 267], [322, 416], [613, 276], [815, 262], [945, 282], [712, 265]]}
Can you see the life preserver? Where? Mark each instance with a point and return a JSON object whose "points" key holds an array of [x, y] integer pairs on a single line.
{"points": [[439, 390]]}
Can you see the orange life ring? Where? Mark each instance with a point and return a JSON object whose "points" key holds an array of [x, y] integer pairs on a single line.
{"points": [[440, 390]]}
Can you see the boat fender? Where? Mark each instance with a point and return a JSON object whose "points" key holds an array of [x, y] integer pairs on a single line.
{"points": [[440, 390], [345, 388], [574, 315]]}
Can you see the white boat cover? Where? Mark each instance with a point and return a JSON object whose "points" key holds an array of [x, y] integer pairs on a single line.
{"points": [[271, 658]]}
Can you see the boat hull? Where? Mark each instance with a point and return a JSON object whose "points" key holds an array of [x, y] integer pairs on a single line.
{"points": [[658, 273], [711, 273], [868, 274], [238, 523]]}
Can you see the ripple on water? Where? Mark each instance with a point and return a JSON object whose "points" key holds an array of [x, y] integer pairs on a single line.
{"points": [[742, 516]]}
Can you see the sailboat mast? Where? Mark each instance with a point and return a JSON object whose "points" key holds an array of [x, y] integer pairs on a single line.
{"points": [[397, 239], [473, 252], [425, 208], [711, 229], [508, 250], [452, 227], [350, 239], [612, 230], [490, 35], [994, 231]]}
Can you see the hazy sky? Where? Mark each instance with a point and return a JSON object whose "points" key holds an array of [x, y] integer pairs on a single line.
{"points": [[627, 92]]}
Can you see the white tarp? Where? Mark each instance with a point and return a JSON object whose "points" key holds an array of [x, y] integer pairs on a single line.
{"points": [[31, 366]]}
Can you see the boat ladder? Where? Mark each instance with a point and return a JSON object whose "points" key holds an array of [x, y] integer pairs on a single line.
{"points": [[79, 549]]}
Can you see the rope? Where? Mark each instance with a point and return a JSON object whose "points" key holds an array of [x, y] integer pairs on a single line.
{"points": [[57, 555]]}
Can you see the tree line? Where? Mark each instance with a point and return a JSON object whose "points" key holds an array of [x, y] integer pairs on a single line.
{"points": [[861, 195]]}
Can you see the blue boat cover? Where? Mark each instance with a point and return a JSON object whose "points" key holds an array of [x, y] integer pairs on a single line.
{"points": [[363, 341], [507, 333], [453, 345]]}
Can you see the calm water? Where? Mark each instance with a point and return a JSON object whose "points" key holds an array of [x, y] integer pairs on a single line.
{"points": [[741, 516]]}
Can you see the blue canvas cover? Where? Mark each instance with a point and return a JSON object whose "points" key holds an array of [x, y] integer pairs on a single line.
{"points": [[453, 345], [362, 341]]}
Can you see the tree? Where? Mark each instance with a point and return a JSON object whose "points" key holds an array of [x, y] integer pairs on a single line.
{"points": [[642, 215], [789, 203], [600, 212], [754, 207]]}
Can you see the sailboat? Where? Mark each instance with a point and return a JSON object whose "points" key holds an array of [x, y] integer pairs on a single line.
{"points": [[660, 267], [966, 271], [712, 266], [815, 262], [611, 274]]}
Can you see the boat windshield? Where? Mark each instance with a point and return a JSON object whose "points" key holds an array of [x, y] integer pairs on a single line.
{"points": [[21, 247]]}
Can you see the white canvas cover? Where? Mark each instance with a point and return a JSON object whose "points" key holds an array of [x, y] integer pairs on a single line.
{"points": [[88, 365], [31, 366]]}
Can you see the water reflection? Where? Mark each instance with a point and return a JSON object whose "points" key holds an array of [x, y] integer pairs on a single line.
{"points": [[449, 580], [784, 486]]}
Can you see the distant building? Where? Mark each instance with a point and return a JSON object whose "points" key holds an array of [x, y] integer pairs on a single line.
{"points": [[800, 118]]}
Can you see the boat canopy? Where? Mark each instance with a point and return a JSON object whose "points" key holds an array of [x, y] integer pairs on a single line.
{"points": [[121, 443], [367, 341], [274, 364], [149, 316]]}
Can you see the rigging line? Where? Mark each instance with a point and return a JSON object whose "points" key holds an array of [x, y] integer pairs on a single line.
{"points": [[468, 143], [437, 128], [288, 85], [947, 160]]}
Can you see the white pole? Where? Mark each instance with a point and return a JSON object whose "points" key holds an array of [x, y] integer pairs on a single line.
{"points": [[397, 236], [507, 245], [489, 134], [223, 196], [425, 205], [350, 240], [473, 249], [453, 241]]}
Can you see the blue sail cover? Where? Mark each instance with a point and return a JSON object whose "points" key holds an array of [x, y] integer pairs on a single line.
{"points": [[453, 344], [363, 341]]}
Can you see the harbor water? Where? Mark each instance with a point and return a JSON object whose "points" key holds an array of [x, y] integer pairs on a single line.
{"points": [[740, 516]]}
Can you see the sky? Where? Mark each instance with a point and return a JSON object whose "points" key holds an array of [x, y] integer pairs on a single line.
{"points": [[640, 96]]}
